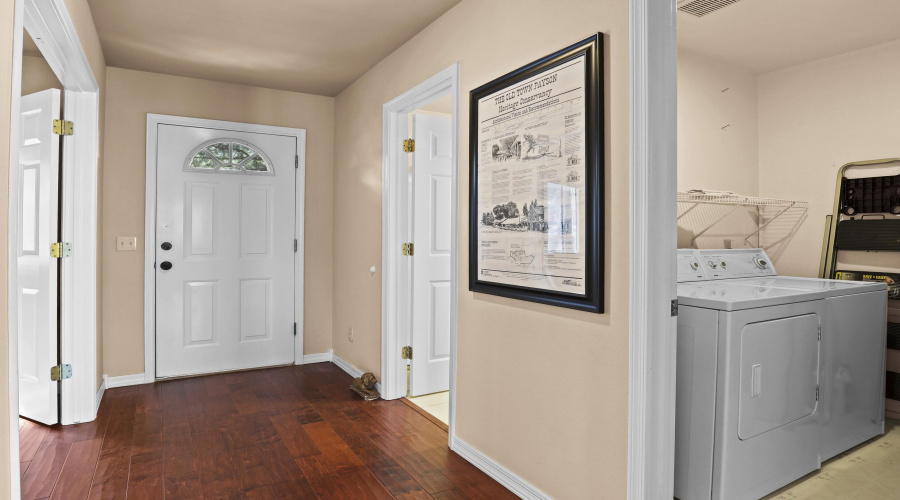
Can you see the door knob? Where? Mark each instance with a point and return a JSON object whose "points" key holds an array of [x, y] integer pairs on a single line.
{"points": [[166, 245], [165, 266]]}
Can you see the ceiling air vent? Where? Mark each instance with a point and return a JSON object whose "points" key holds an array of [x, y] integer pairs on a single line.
{"points": [[701, 8]]}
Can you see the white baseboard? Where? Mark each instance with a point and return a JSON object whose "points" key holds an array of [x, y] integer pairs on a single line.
{"points": [[350, 369], [100, 392], [124, 380], [322, 357], [499, 473]]}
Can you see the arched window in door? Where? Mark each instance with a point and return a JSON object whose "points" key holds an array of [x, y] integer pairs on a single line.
{"points": [[228, 155]]}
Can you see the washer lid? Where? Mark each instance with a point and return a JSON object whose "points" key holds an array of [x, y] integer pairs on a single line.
{"points": [[748, 293]]}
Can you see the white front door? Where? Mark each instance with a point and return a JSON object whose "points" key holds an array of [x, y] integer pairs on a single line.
{"points": [[225, 237], [432, 231], [38, 229]]}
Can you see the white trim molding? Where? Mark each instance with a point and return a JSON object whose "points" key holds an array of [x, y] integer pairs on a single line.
{"points": [[501, 474], [153, 122], [651, 396], [396, 270], [100, 392], [125, 380], [322, 357]]}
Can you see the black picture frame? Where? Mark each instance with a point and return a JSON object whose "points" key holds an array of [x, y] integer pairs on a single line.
{"points": [[592, 300]]}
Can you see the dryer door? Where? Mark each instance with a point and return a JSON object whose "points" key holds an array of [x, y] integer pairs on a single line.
{"points": [[779, 373]]}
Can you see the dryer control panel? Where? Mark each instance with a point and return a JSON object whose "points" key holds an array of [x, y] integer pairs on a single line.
{"points": [[706, 265]]}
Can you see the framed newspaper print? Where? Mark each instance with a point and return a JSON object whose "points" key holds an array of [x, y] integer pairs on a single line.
{"points": [[536, 181]]}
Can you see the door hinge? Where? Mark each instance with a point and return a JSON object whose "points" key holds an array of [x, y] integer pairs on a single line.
{"points": [[63, 127], [60, 372], [820, 332], [408, 249], [59, 250], [295, 245], [817, 393], [406, 352], [409, 145], [296, 161], [674, 310], [295, 329]]}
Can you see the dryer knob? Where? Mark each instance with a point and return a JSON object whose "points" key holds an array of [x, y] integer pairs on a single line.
{"points": [[762, 264]]}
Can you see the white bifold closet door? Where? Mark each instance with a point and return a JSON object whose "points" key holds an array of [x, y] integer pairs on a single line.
{"points": [[38, 289]]}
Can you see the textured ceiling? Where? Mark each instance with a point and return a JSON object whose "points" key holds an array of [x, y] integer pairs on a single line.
{"points": [[765, 35], [312, 46]]}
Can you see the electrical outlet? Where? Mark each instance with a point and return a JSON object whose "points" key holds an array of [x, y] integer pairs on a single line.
{"points": [[126, 243], [727, 243], [350, 334]]}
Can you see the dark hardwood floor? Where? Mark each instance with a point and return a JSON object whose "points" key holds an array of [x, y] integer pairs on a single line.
{"points": [[292, 432]]}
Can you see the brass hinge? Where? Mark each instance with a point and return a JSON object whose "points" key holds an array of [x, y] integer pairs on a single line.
{"points": [[409, 145], [406, 352], [296, 161], [63, 127], [295, 246], [295, 329], [59, 250], [60, 372], [408, 249], [674, 310]]}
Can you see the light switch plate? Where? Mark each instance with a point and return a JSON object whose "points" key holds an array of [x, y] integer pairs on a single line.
{"points": [[126, 243]]}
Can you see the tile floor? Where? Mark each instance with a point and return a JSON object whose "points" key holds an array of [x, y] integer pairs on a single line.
{"points": [[437, 404], [870, 471]]}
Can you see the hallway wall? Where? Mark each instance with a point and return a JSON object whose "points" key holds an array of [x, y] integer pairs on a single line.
{"points": [[133, 94], [570, 441]]}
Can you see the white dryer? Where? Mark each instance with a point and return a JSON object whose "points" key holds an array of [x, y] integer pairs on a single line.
{"points": [[775, 374]]}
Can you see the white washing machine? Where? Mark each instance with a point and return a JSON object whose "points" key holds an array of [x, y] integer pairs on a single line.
{"points": [[775, 374]]}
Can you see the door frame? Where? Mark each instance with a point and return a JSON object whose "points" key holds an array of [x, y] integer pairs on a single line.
{"points": [[652, 283], [49, 20], [396, 269], [153, 121]]}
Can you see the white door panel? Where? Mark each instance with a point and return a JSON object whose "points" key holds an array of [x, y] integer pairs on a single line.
{"points": [[38, 227], [432, 174], [227, 303]]}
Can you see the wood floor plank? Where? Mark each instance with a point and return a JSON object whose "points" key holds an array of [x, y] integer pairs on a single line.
{"points": [[334, 448], [75, 477], [31, 435], [217, 477], [250, 469], [44, 469], [295, 438], [183, 487], [113, 466], [216, 386], [145, 480]]}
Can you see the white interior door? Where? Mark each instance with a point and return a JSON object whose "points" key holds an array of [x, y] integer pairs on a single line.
{"points": [[224, 250], [38, 229], [432, 176]]}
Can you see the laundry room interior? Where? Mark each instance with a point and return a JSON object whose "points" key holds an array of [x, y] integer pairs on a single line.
{"points": [[787, 142]]}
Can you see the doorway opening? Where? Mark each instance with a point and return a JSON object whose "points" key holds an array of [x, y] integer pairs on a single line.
{"points": [[224, 246], [784, 153], [419, 247]]}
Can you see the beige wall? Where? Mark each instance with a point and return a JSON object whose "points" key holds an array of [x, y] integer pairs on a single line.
{"points": [[718, 143], [133, 94], [571, 440], [37, 76], [813, 119]]}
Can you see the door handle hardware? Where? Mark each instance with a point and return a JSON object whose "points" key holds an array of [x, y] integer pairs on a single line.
{"points": [[166, 246], [165, 265]]}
